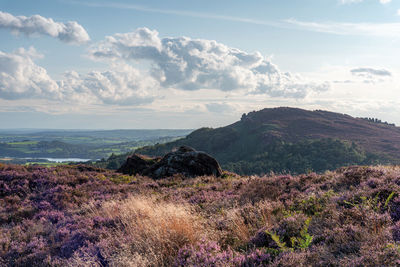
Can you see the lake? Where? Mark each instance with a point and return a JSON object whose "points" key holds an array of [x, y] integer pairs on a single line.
{"points": [[58, 160]]}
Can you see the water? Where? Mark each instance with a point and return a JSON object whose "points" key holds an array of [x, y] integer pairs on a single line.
{"points": [[59, 160]]}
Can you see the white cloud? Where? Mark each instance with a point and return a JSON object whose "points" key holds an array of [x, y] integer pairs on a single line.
{"points": [[70, 32], [370, 71], [365, 29], [21, 78], [339, 28], [350, 1], [221, 107], [398, 12], [353, 82], [192, 64], [175, 12], [123, 85], [371, 75]]}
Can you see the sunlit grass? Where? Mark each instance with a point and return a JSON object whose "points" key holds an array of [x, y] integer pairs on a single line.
{"points": [[23, 143]]}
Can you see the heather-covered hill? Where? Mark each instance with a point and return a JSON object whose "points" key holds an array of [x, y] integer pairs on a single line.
{"points": [[293, 140], [83, 216]]}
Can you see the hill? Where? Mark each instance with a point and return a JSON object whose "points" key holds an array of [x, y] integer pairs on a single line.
{"points": [[83, 216], [293, 140]]}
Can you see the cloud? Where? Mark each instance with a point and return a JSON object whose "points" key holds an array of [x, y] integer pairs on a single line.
{"points": [[70, 32], [371, 75], [192, 64], [220, 107], [370, 71], [339, 28], [123, 85], [350, 1], [343, 81], [21, 78], [365, 29], [176, 12]]}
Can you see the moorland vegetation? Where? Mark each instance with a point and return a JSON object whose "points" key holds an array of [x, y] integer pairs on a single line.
{"points": [[84, 216]]}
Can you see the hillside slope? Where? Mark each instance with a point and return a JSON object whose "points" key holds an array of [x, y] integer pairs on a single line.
{"points": [[292, 139], [83, 216]]}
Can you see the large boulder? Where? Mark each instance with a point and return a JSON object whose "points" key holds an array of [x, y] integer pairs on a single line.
{"points": [[185, 161], [137, 164]]}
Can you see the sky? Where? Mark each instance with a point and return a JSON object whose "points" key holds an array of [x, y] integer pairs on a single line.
{"points": [[69, 64]]}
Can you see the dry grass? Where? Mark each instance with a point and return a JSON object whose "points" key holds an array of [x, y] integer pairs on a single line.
{"points": [[149, 232]]}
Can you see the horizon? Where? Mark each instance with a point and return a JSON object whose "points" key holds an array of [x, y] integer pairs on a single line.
{"points": [[184, 65], [187, 129], [84, 130]]}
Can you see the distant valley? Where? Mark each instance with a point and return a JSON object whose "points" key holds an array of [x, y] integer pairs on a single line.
{"points": [[22, 146]]}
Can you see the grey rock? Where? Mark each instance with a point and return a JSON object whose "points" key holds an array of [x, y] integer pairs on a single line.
{"points": [[185, 161]]}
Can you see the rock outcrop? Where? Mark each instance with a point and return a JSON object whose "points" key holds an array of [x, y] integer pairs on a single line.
{"points": [[137, 164], [185, 161]]}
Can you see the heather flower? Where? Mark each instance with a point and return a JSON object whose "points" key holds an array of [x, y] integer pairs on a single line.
{"points": [[77, 240], [262, 239], [54, 216], [76, 216], [44, 205], [256, 257], [395, 209], [206, 253], [396, 232], [290, 227]]}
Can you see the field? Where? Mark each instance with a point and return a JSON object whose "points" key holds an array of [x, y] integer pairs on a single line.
{"points": [[85, 216], [91, 137], [79, 144]]}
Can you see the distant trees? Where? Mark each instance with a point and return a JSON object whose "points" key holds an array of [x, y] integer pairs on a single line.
{"points": [[113, 162], [251, 157], [301, 157], [375, 120]]}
